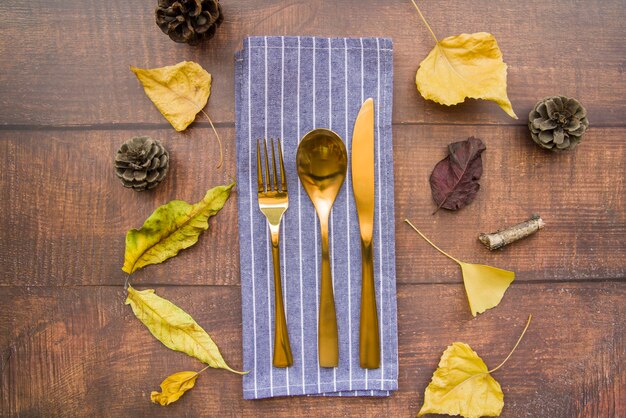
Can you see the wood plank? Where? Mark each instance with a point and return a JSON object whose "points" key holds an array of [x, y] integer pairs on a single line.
{"points": [[81, 352], [65, 215], [69, 60]]}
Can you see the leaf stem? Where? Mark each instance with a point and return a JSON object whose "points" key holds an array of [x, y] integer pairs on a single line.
{"points": [[216, 135], [431, 243], [425, 22], [530, 317]]}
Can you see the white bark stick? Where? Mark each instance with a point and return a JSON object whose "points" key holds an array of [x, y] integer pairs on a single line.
{"points": [[504, 237]]}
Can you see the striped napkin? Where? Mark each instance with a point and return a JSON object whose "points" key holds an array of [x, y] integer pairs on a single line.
{"points": [[285, 87]]}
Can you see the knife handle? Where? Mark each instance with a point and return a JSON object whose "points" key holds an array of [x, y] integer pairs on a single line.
{"points": [[328, 340], [369, 339]]}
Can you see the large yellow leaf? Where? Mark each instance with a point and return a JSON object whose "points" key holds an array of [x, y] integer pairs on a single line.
{"points": [[484, 285], [174, 327], [179, 91], [173, 387], [466, 65], [462, 385], [171, 228]]}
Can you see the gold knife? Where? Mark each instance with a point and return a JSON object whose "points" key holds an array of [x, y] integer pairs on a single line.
{"points": [[363, 186]]}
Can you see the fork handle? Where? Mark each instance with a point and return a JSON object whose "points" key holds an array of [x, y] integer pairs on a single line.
{"points": [[282, 348]]}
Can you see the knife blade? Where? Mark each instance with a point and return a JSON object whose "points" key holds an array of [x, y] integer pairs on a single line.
{"points": [[363, 186]]}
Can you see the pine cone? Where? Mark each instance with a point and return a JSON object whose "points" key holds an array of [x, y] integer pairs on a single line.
{"points": [[189, 21], [558, 123], [141, 163]]}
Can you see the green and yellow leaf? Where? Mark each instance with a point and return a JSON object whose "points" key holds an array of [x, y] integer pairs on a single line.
{"points": [[179, 91], [171, 228], [174, 327], [484, 285], [462, 385], [173, 387]]}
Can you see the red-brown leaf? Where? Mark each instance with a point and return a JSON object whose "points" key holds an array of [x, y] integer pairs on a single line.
{"points": [[454, 180]]}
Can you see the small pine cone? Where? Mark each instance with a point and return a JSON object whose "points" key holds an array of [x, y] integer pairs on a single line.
{"points": [[558, 123], [189, 21], [141, 163]]}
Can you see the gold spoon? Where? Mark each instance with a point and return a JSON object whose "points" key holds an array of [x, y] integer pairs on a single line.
{"points": [[322, 163]]}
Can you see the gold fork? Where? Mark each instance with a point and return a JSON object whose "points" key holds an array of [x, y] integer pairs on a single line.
{"points": [[273, 202]]}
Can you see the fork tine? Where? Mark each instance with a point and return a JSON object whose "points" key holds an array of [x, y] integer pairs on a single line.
{"points": [[259, 170], [268, 180], [283, 177], [275, 178]]}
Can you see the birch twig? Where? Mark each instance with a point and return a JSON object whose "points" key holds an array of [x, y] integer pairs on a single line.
{"points": [[506, 236]]}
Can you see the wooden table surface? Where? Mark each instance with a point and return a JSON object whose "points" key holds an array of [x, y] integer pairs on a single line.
{"points": [[69, 345]]}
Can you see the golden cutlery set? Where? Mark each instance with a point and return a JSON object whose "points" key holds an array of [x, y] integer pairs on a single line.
{"points": [[322, 162]]}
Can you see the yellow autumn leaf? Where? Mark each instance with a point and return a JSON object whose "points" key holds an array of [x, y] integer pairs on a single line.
{"points": [[462, 385], [174, 327], [173, 387], [179, 91], [171, 228], [484, 285], [464, 66]]}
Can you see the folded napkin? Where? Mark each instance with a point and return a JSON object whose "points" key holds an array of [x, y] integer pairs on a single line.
{"points": [[285, 87]]}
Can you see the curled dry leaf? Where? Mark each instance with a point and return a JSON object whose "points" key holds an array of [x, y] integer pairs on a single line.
{"points": [[171, 228], [463, 66], [463, 385], [484, 285], [175, 328], [173, 387], [454, 180]]}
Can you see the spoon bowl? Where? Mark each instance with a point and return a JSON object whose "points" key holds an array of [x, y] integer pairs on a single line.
{"points": [[322, 163]]}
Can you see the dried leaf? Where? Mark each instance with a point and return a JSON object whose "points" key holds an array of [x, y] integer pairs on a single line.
{"points": [[171, 228], [179, 91], [173, 387], [462, 384], [174, 327], [484, 285], [454, 180], [464, 66]]}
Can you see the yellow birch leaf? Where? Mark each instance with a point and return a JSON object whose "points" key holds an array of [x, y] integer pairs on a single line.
{"points": [[173, 387], [171, 228], [179, 91], [462, 385], [175, 328], [484, 285], [463, 66]]}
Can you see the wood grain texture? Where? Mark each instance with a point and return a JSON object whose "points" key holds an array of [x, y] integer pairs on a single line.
{"points": [[69, 347], [80, 352], [70, 60], [66, 214]]}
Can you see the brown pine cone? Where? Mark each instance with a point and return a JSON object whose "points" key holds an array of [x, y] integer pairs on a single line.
{"points": [[141, 163], [558, 123], [189, 21]]}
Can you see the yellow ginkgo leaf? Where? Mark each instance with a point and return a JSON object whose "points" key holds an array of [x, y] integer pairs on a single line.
{"points": [[462, 385], [173, 387], [484, 285], [464, 66], [179, 91]]}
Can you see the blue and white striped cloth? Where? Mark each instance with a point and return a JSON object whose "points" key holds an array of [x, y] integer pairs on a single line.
{"points": [[285, 87]]}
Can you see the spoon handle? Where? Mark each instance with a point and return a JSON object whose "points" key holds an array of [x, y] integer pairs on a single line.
{"points": [[328, 345]]}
